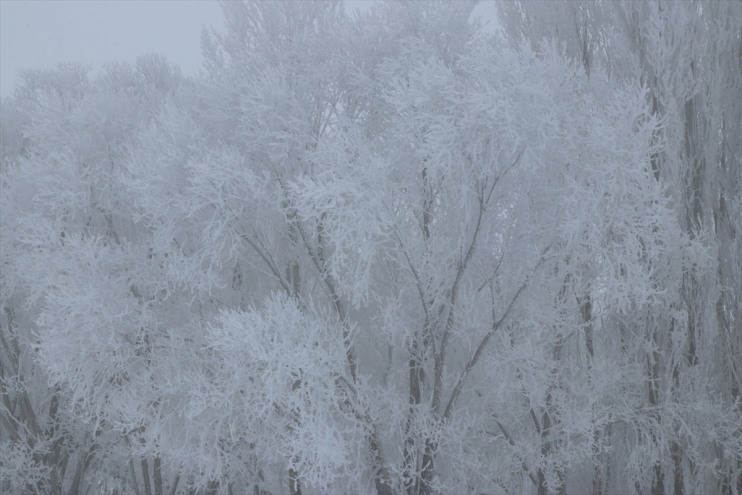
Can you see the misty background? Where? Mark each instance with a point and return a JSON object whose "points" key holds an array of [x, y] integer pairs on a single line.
{"points": [[42, 33]]}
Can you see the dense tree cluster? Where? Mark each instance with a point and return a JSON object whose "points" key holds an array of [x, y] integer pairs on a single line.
{"points": [[392, 253]]}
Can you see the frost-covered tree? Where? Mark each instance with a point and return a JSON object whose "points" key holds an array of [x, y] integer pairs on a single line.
{"points": [[62, 211], [384, 254], [687, 55]]}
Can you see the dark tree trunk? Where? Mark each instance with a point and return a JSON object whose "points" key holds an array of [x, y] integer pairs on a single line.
{"points": [[145, 477]]}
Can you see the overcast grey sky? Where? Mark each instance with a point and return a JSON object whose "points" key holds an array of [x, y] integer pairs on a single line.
{"points": [[43, 33]]}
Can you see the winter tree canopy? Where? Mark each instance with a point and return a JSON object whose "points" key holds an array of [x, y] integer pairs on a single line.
{"points": [[391, 253]]}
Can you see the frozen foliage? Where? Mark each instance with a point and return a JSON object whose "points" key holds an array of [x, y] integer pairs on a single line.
{"points": [[388, 255]]}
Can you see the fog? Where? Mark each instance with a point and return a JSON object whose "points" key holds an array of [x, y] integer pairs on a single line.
{"points": [[42, 34]]}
